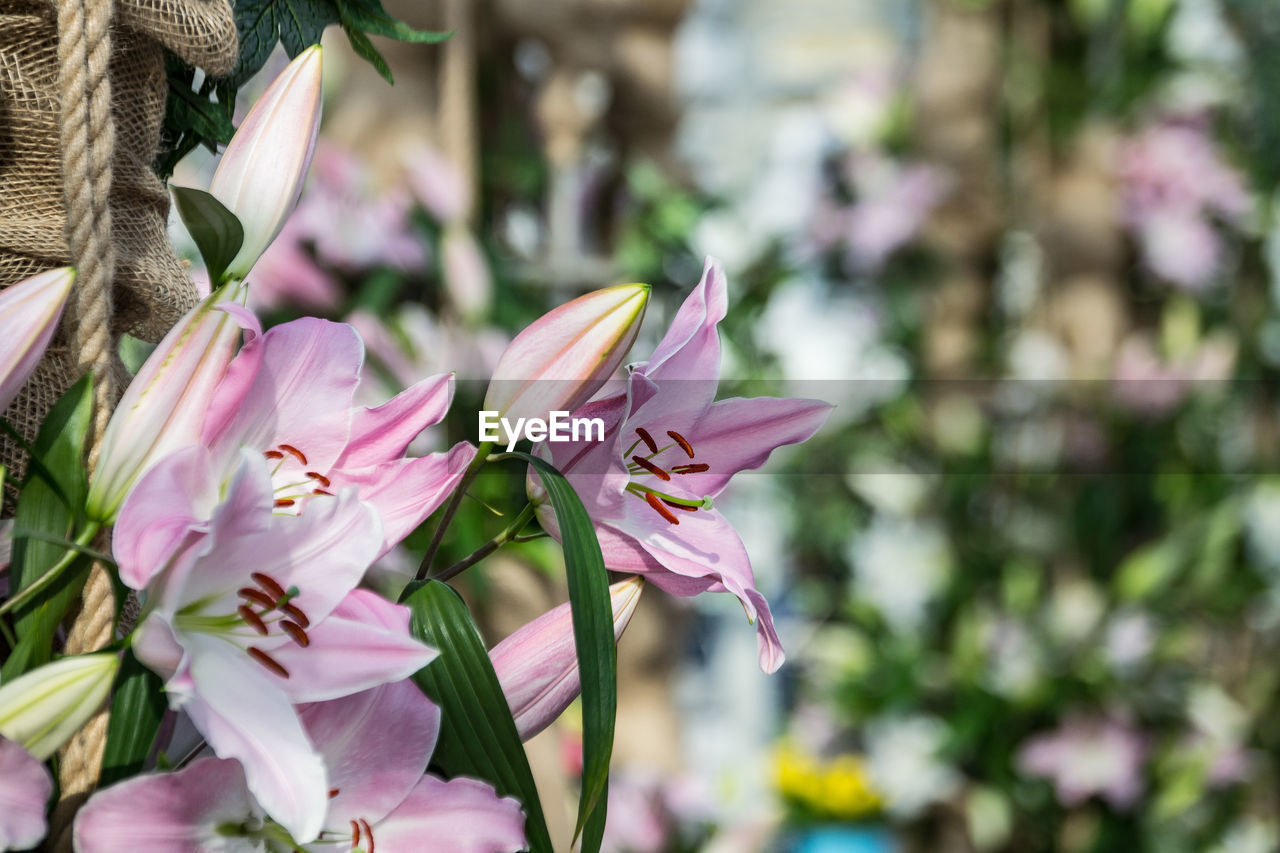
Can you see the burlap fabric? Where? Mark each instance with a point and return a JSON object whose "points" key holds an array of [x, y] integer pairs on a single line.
{"points": [[151, 289]]}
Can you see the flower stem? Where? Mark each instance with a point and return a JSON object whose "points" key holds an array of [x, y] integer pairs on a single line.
{"points": [[455, 500], [39, 584], [489, 547]]}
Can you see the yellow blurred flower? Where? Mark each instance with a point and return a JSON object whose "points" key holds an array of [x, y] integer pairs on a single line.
{"points": [[839, 788]]}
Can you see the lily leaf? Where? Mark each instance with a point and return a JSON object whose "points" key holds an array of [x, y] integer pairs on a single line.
{"points": [[217, 232], [478, 736]]}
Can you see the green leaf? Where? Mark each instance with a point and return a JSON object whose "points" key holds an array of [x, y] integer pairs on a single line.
{"points": [[364, 48], [217, 232], [55, 511], [369, 16], [297, 24], [593, 638], [478, 736], [137, 709]]}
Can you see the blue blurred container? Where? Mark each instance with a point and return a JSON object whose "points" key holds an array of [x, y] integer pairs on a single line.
{"points": [[843, 839]]}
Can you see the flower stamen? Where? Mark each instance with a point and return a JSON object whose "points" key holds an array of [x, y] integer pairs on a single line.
{"points": [[270, 586], [294, 452], [647, 439], [651, 468], [695, 468], [268, 661], [295, 631], [658, 507], [284, 501], [253, 619], [682, 441], [320, 478], [368, 832], [355, 834], [258, 596], [684, 507], [295, 613]]}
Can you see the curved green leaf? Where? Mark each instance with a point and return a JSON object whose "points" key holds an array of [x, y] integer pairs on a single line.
{"points": [[478, 736], [593, 637], [217, 232]]}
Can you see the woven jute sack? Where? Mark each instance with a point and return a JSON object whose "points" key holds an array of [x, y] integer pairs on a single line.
{"points": [[151, 289]]}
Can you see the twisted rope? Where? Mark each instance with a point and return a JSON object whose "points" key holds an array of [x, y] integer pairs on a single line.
{"points": [[88, 144]]}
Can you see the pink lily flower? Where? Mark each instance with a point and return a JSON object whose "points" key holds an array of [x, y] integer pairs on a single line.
{"points": [[289, 396], [375, 745], [669, 450], [249, 613], [29, 312], [25, 786], [537, 665]]}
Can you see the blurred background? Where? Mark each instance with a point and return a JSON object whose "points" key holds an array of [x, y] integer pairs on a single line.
{"points": [[1028, 576]]}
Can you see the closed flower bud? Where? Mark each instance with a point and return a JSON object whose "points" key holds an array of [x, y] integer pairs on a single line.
{"points": [[537, 665], [29, 312], [42, 709], [164, 407], [261, 173], [565, 356]]}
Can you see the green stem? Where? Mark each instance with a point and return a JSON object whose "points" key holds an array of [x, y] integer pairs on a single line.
{"points": [[39, 584], [525, 516], [8, 635], [455, 500]]}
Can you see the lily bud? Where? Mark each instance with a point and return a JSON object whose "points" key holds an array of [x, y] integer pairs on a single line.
{"points": [[164, 407], [262, 170], [564, 356], [44, 708], [29, 312], [537, 666]]}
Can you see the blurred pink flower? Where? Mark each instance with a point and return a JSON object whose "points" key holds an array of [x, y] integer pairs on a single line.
{"points": [[437, 183], [893, 201], [1175, 185], [286, 274], [1149, 385], [1087, 756]]}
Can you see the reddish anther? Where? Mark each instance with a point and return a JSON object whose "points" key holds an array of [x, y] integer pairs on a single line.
{"points": [[333, 792], [295, 613], [684, 507], [284, 501], [269, 584], [368, 832], [682, 441], [273, 454], [295, 631], [257, 596], [268, 661], [320, 478], [295, 452], [647, 439], [322, 492], [695, 468], [253, 619], [651, 468], [658, 507], [355, 834]]}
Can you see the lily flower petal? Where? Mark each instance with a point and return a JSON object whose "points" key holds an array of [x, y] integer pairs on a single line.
{"points": [[459, 816], [243, 714], [25, 787], [364, 642], [376, 745], [385, 432], [171, 812], [29, 312]]}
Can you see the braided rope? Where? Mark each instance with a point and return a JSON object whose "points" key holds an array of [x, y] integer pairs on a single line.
{"points": [[88, 144]]}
